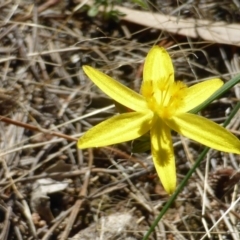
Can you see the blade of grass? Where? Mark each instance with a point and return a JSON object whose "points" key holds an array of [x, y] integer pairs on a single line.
{"points": [[222, 90]]}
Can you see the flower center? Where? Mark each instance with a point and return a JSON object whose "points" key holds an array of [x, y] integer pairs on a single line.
{"points": [[164, 100]]}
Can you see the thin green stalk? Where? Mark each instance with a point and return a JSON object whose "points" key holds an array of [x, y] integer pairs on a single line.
{"points": [[178, 190], [192, 170]]}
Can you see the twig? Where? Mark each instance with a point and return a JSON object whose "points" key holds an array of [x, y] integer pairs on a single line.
{"points": [[36, 129], [79, 202], [218, 32]]}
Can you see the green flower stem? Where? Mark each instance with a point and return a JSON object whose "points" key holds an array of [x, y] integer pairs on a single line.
{"points": [[192, 170], [175, 194]]}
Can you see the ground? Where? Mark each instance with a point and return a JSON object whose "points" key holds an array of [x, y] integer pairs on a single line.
{"points": [[52, 190]]}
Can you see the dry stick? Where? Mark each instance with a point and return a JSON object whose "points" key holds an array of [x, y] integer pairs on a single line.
{"points": [[23, 54], [6, 224], [82, 195], [213, 31], [126, 156], [62, 175], [60, 219], [26, 210], [36, 129], [40, 9], [101, 190], [217, 32], [67, 137]]}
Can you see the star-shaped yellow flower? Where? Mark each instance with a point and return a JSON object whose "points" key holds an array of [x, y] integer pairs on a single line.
{"points": [[163, 105]]}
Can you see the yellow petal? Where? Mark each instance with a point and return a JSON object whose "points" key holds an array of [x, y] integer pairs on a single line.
{"points": [[204, 131], [163, 155], [120, 128], [158, 67], [116, 90], [198, 93]]}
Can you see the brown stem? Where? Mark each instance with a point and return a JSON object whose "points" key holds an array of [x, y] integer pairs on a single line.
{"points": [[36, 129]]}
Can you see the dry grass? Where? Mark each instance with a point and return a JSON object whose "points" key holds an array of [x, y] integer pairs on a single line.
{"points": [[52, 190]]}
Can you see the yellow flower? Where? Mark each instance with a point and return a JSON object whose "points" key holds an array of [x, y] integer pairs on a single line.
{"points": [[162, 105]]}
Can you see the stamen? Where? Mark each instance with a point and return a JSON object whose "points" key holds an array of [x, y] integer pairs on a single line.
{"points": [[165, 83], [165, 99], [171, 98]]}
